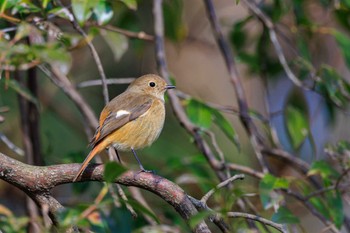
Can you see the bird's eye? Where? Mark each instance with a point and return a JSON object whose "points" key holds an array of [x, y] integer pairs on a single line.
{"points": [[152, 84]]}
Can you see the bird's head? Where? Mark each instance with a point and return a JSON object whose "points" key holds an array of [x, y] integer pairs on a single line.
{"points": [[150, 84]]}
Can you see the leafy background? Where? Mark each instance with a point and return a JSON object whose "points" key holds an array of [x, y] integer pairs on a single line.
{"points": [[309, 122]]}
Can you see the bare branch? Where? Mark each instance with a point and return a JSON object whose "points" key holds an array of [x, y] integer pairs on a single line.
{"points": [[11, 145], [277, 226], [138, 35], [222, 184], [94, 53], [63, 82], [273, 37], [237, 85], [110, 81]]}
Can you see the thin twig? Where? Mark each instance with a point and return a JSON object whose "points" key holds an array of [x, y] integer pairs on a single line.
{"points": [[94, 53], [138, 35], [319, 192], [125, 199], [311, 208], [11, 145], [109, 81], [94, 206], [222, 184], [277, 226], [273, 37], [245, 169], [215, 218], [62, 81], [344, 173]]}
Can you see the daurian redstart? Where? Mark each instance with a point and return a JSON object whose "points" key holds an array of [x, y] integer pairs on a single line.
{"points": [[132, 120]]}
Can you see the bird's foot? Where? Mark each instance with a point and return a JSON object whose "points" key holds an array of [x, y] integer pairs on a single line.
{"points": [[147, 171]]}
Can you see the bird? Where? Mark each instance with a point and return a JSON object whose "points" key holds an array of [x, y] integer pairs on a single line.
{"points": [[132, 120]]}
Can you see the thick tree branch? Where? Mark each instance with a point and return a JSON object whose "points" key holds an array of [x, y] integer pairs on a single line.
{"points": [[38, 181]]}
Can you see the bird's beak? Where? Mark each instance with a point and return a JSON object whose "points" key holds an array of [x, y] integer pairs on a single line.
{"points": [[169, 87]]}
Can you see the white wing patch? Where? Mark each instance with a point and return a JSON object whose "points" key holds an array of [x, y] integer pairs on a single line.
{"points": [[121, 113]]}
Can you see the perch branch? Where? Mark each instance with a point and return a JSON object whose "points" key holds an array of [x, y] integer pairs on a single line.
{"points": [[37, 182]]}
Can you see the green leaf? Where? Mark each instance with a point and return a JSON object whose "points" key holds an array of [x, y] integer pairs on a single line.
{"points": [[297, 125], [283, 215], [22, 91], [344, 44], [82, 9], [225, 126], [61, 12], [131, 4], [336, 211], [112, 171], [199, 113], [333, 85], [103, 12], [53, 54], [175, 28], [23, 30], [117, 42], [331, 207], [266, 186], [238, 36], [324, 169], [25, 7], [203, 116]]}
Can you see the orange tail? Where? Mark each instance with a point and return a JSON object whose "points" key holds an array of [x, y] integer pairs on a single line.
{"points": [[91, 155]]}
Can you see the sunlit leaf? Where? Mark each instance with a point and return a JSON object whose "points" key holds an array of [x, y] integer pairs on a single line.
{"points": [[25, 7], [297, 125], [344, 44], [283, 215], [23, 30], [225, 126], [62, 12], [103, 12], [117, 42], [199, 113], [82, 9], [5, 211], [112, 171], [267, 185], [44, 3], [333, 85], [131, 4], [324, 169]]}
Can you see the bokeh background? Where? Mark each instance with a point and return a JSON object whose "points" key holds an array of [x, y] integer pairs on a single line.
{"points": [[198, 68]]}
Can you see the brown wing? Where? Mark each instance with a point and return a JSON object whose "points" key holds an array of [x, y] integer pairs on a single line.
{"points": [[136, 107]]}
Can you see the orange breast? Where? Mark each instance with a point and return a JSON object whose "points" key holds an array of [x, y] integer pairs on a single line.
{"points": [[140, 132]]}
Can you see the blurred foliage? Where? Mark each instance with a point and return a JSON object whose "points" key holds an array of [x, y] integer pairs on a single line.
{"points": [[37, 33]]}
